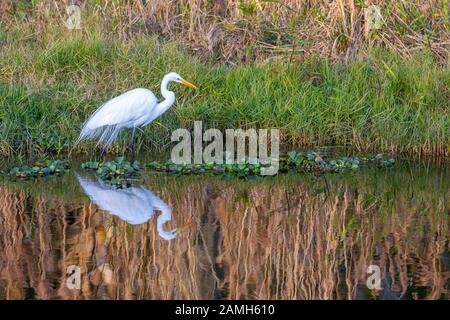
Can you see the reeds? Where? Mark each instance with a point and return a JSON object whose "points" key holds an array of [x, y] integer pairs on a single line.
{"points": [[249, 30]]}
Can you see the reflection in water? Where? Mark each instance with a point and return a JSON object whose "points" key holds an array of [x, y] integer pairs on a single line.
{"points": [[133, 205], [278, 238]]}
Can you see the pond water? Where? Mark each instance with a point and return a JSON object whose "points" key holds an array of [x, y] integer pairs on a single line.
{"points": [[285, 237]]}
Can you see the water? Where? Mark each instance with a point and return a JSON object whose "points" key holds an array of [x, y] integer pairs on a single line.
{"points": [[287, 237]]}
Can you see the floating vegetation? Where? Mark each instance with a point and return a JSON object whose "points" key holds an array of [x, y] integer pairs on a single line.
{"points": [[314, 162], [118, 172], [238, 170], [41, 168], [381, 162], [292, 162]]}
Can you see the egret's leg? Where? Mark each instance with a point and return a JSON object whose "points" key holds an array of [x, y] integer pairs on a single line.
{"points": [[133, 143], [102, 152]]}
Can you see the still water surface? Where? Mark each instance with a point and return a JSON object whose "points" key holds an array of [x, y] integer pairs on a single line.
{"points": [[288, 237]]}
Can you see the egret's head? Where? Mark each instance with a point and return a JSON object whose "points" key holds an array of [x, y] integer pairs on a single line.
{"points": [[171, 234], [173, 76]]}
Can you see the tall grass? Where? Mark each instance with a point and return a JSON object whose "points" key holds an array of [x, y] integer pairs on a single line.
{"points": [[249, 30], [51, 79]]}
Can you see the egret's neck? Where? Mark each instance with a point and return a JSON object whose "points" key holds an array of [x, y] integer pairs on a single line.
{"points": [[168, 95]]}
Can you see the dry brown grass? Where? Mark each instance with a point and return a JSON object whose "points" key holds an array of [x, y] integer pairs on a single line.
{"points": [[255, 30]]}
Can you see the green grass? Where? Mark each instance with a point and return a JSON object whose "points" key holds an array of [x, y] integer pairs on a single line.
{"points": [[380, 102]]}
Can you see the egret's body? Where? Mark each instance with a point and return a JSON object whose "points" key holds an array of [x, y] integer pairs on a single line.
{"points": [[132, 109]]}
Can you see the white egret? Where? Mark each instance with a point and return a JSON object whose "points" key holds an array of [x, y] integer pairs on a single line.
{"points": [[135, 205], [132, 109]]}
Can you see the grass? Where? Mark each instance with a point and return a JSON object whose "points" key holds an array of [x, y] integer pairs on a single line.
{"points": [[51, 79], [236, 31]]}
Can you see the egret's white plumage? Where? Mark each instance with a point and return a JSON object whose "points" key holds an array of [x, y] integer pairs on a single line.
{"points": [[132, 109], [135, 205]]}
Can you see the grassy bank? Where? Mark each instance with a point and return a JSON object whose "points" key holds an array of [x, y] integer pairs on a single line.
{"points": [[52, 79]]}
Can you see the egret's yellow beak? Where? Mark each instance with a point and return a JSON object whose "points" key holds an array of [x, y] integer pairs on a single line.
{"points": [[187, 83]]}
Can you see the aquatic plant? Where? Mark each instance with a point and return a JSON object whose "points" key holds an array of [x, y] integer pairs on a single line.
{"points": [[118, 172], [381, 162], [292, 162], [40, 168], [240, 170], [312, 162]]}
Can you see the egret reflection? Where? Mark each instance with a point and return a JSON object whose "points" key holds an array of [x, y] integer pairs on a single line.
{"points": [[135, 205]]}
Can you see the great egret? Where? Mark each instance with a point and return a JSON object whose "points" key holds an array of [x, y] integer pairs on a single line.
{"points": [[132, 109], [135, 205]]}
